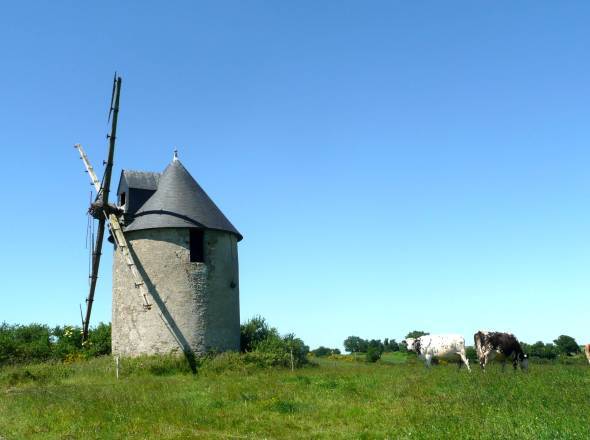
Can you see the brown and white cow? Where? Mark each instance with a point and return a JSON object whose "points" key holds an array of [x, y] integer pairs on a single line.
{"points": [[503, 346], [587, 351]]}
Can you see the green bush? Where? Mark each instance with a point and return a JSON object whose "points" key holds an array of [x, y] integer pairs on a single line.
{"points": [[99, 340], [265, 347], [66, 341], [38, 343], [253, 332], [373, 354], [24, 343]]}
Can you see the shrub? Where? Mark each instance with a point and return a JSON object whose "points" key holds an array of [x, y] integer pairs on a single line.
{"points": [[265, 347], [39, 343], [66, 341], [253, 332], [24, 343], [99, 340], [373, 354]]}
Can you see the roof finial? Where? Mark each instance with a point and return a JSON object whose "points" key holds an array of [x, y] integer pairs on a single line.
{"points": [[175, 158]]}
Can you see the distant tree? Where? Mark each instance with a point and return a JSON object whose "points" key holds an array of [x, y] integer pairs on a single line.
{"points": [[567, 345], [377, 345], [416, 334], [393, 345], [364, 345], [386, 344], [541, 350], [324, 351], [355, 344]]}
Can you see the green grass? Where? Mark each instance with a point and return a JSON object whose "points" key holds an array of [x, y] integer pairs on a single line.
{"points": [[160, 399]]}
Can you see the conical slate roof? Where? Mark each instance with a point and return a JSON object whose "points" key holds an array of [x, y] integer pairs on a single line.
{"points": [[179, 202]]}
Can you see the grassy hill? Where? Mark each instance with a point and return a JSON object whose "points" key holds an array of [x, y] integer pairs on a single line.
{"points": [[336, 399]]}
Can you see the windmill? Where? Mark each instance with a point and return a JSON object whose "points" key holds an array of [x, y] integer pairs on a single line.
{"points": [[175, 248], [106, 213]]}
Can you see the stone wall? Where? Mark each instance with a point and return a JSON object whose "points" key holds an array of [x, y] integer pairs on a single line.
{"points": [[200, 301]]}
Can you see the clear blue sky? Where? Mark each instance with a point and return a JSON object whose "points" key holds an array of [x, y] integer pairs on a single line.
{"points": [[392, 165]]}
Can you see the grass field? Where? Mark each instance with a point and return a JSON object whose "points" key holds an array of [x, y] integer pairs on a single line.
{"points": [[335, 399]]}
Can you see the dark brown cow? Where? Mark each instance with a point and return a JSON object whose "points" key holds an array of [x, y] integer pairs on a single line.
{"points": [[502, 345]]}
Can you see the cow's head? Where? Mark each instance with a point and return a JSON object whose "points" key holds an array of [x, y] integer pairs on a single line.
{"points": [[410, 344]]}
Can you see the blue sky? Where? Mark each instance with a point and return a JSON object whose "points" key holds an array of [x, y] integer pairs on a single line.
{"points": [[392, 165]]}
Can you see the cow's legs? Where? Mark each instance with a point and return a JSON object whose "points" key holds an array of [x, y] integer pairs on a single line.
{"points": [[428, 360], [485, 360], [464, 360]]}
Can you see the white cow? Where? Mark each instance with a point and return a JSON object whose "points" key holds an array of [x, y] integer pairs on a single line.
{"points": [[439, 346]]}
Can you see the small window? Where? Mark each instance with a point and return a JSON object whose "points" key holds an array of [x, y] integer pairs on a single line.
{"points": [[122, 199], [197, 246]]}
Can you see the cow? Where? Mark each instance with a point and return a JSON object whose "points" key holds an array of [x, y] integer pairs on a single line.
{"points": [[501, 346], [587, 351], [439, 346]]}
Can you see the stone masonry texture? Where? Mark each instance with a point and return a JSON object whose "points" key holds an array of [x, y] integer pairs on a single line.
{"points": [[200, 301]]}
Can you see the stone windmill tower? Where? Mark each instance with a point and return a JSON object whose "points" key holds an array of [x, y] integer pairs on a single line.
{"points": [[175, 263], [186, 251]]}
